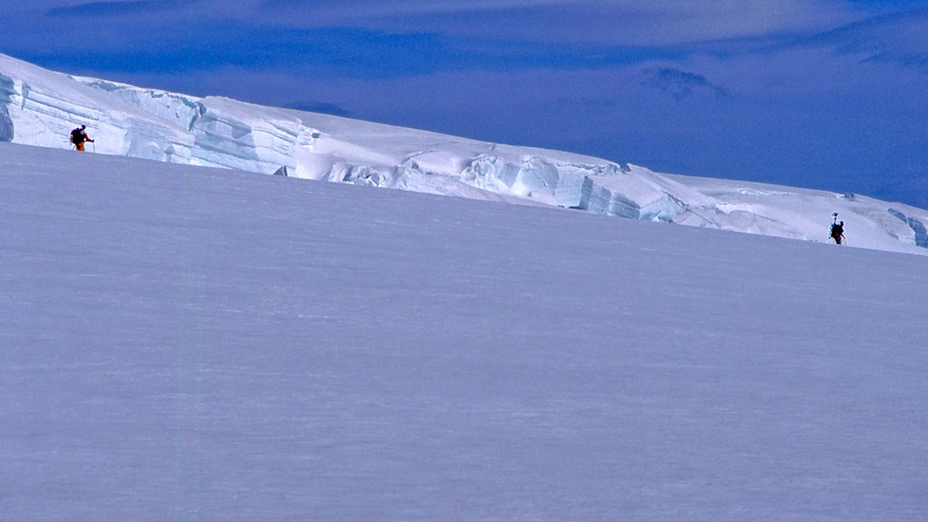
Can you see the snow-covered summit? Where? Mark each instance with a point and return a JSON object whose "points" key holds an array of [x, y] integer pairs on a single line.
{"points": [[40, 107]]}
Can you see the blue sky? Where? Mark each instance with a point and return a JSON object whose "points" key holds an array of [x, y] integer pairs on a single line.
{"points": [[827, 94]]}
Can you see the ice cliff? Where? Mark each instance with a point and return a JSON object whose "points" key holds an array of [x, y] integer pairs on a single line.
{"points": [[40, 107]]}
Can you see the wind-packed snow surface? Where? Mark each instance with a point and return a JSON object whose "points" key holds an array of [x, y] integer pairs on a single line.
{"points": [[183, 343], [40, 107]]}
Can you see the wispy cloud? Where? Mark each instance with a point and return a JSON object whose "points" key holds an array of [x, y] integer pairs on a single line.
{"points": [[341, 51], [900, 38], [115, 9], [606, 22]]}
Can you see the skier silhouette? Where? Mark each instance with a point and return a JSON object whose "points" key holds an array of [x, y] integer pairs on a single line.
{"points": [[837, 229], [79, 136]]}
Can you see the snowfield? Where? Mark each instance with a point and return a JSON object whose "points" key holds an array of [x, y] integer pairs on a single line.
{"points": [[40, 107], [182, 343]]}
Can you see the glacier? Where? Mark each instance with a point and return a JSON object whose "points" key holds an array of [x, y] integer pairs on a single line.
{"points": [[39, 107]]}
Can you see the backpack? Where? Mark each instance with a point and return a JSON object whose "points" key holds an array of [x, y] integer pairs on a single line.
{"points": [[77, 136]]}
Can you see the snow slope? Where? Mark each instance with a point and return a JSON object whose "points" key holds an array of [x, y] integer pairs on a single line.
{"points": [[184, 343], [40, 107]]}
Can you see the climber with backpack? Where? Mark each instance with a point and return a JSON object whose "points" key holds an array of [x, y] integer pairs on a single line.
{"points": [[837, 229], [79, 136]]}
